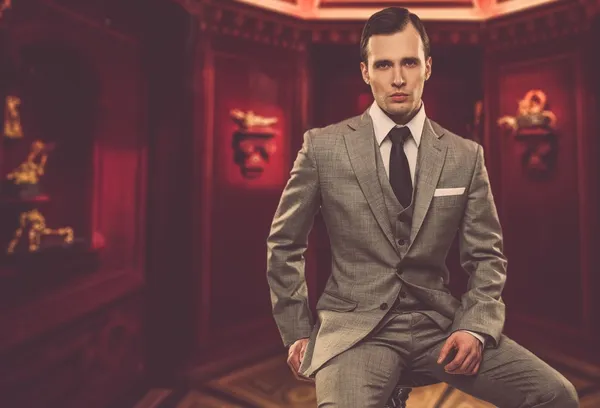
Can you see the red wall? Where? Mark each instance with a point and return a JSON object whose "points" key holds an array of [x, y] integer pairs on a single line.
{"points": [[233, 213], [549, 224], [72, 324]]}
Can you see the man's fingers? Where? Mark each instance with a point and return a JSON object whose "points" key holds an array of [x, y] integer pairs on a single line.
{"points": [[471, 367], [446, 349], [294, 359], [458, 360], [467, 364], [476, 369], [293, 363]]}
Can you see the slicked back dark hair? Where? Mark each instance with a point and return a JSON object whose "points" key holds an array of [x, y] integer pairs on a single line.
{"points": [[389, 21]]}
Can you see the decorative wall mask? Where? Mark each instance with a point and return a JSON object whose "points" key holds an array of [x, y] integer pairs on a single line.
{"points": [[252, 142], [535, 128], [12, 118], [33, 224]]}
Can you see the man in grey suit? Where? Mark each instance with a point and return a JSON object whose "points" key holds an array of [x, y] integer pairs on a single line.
{"points": [[394, 188]]}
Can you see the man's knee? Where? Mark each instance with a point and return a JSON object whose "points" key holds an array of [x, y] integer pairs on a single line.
{"points": [[562, 395], [567, 396]]}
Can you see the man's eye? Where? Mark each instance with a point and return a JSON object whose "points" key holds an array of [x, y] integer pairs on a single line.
{"points": [[382, 65]]}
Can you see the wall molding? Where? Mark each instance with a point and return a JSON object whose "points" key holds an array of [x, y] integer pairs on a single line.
{"points": [[535, 25]]}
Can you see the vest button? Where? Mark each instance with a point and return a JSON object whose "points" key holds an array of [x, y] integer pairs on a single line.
{"points": [[402, 293], [383, 306], [401, 242]]}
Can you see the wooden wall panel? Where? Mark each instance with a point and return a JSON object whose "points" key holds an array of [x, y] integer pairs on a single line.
{"points": [[550, 225], [541, 217], [91, 362], [236, 213], [169, 53]]}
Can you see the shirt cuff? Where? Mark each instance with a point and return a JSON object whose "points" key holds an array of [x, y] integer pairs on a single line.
{"points": [[476, 335]]}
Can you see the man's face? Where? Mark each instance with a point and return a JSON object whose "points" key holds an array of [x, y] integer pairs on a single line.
{"points": [[396, 70]]}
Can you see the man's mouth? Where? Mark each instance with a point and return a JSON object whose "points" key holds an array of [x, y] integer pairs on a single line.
{"points": [[399, 97]]}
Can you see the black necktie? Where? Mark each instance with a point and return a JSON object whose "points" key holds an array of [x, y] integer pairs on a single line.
{"points": [[399, 170]]}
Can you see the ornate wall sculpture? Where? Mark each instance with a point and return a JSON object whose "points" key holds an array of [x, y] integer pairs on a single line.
{"points": [[253, 142], [535, 128]]}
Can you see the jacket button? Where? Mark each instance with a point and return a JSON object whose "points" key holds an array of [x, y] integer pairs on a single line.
{"points": [[402, 294], [401, 242], [383, 306]]}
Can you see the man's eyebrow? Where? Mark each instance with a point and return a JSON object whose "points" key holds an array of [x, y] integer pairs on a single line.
{"points": [[403, 60], [382, 60]]}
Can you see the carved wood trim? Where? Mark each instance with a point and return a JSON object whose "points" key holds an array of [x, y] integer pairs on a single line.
{"points": [[405, 3], [537, 25]]}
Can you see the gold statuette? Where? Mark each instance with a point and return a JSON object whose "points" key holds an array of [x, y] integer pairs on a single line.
{"points": [[12, 118], [30, 171], [36, 223]]}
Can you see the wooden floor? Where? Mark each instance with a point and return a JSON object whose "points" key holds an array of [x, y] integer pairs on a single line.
{"points": [[268, 383]]}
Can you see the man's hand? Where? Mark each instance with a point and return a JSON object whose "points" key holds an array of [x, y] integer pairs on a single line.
{"points": [[469, 351], [296, 354]]}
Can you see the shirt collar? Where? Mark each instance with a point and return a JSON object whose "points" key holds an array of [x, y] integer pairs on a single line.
{"points": [[382, 123]]}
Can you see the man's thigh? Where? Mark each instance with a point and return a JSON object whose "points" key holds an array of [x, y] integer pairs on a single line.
{"points": [[509, 376], [361, 377], [365, 375]]}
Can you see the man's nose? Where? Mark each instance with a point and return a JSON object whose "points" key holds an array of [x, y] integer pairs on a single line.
{"points": [[398, 77]]}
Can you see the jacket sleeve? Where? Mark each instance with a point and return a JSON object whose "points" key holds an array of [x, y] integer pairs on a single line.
{"points": [[287, 243], [481, 254]]}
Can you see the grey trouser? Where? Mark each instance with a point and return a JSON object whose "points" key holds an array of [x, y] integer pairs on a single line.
{"points": [[365, 375]]}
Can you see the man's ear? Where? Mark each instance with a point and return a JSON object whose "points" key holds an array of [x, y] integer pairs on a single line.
{"points": [[365, 73], [428, 68]]}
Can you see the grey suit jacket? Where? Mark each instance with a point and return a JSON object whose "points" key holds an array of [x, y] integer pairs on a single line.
{"points": [[335, 173]]}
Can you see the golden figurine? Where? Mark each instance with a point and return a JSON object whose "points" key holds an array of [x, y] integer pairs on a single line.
{"points": [[250, 119], [37, 228], [12, 118], [30, 171]]}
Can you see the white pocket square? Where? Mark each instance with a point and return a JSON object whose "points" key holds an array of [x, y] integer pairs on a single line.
{"points": [[439, 192]]}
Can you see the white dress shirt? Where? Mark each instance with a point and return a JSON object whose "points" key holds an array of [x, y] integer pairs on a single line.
{"points": [[382, 124]]}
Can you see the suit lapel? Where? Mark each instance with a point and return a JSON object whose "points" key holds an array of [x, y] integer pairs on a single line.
{"points": [[432, 153], [360, 144]]}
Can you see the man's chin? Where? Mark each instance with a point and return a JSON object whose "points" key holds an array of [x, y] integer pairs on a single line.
{"points": [[398, 109]]}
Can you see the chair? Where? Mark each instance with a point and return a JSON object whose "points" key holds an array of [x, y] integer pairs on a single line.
{"points": [[405, 385], [399, 397]]}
